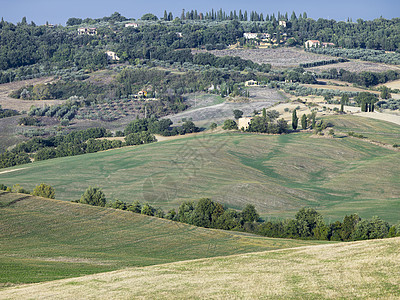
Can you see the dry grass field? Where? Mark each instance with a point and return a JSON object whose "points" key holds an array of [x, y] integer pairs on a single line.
{"points": [[393, 84], [43, 239], [357, 270], [23, 105]]}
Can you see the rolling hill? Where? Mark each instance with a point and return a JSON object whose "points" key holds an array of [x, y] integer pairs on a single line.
{"points": [[278, 174], [43, 239], [366, 270]]}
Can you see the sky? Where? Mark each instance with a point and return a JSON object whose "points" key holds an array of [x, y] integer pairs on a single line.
{"points": [[59, 11]]}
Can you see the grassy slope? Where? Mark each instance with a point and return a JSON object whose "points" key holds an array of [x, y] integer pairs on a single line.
{"points": [[279, 174], [42, 239], [376, 130], [366, 270]]}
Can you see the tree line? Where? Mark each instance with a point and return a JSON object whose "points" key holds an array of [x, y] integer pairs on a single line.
{"points": [[139, 131], [63, 47], [307, 223]]}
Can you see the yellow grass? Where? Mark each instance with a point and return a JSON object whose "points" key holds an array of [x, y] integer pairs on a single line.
{"points": [[365, 270], [18, 104], [393, 84]]}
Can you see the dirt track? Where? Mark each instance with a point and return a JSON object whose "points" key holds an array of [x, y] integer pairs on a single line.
{"points": [[18, 104]]}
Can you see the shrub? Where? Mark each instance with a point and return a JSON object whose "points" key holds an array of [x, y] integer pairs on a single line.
{"points": [[229, 124], [44, 190], [93, 196]]}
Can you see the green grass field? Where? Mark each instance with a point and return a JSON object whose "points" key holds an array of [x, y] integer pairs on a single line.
{"points": [[279, 174], [376, 130], [42, 240], [361, 270]]}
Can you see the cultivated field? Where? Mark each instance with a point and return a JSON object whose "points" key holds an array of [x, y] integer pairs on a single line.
{"points": [[373, 129], [44, 239], [356, 66], [278, 174], [278, 58], [362, 270]]}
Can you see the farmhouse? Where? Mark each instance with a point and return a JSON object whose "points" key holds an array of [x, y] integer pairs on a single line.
{"points": [[134, 25], [142, 94], [112, 55], [312, 43], [244, 123], [325, 45], [251, 83], [250, 35], [282, 23], [88, 31]]}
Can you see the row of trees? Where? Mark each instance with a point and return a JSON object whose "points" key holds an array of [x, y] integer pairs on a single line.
{"points": [[323, 63], [307, 224], [74, 143], [159, 126], [364, 78], [64, 47], [41, 190]]}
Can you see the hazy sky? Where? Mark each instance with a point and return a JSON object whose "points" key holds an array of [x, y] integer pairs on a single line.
{"points": [[58, 11]]}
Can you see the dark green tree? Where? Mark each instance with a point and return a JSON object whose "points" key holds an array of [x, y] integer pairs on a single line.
{"points": [[93, 196], [237, 114], [44, 190], [250, 214], [304, 121], [385, 92], [295, 120], [348, 226], [229, 125]]}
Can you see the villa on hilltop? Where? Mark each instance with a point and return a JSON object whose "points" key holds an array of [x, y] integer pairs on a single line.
{"points": [[88, 31]]}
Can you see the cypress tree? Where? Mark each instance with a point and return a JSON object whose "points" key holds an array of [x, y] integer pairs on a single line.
{"points": [[304, 121], [313, 121], [295, 120]]}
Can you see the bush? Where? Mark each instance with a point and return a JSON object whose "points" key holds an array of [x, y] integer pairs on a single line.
{"points": [[229, 124], [44, 190], [93, 196]]}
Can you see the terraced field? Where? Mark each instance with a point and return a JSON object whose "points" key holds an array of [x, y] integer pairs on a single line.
{"points": [[278, 174], [42, 239]]}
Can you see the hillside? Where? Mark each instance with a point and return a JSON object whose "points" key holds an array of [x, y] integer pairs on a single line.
{"points": [[42, 239], [278, 174], [367, 270]]}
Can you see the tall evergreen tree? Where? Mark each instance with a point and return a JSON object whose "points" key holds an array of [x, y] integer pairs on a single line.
{"points": [[304, 121], [295, 120]]}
